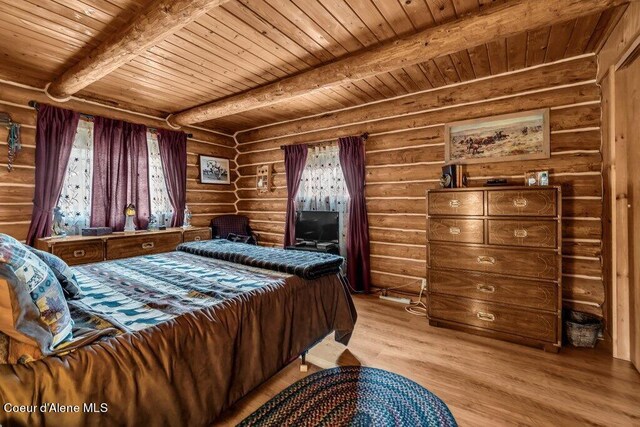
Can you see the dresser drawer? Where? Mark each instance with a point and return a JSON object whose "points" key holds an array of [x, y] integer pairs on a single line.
{"points": [[518, 321], [456, 203], [456, 230], [131, 246], [537, 264], [197, 235], [538, 234], [540, 202], [486, 287], [74, 253]]}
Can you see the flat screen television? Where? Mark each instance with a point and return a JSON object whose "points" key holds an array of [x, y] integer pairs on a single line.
{"points": [[316, 226]]}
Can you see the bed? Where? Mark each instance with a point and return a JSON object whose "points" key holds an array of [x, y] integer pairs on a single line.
{"points": [[189, 335]]}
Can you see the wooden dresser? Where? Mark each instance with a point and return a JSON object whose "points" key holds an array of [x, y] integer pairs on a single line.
{"points": [[494, 262], [75, 250]]}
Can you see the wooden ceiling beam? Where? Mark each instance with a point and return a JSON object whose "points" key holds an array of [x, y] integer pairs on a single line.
{"points": [[496, 22], [158, 20]]}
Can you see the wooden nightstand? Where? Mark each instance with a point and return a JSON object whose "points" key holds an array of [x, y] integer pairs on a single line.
{"points": [[75, 250]]}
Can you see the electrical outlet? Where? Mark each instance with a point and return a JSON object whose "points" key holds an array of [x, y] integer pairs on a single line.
{"points": [[423, 285]]}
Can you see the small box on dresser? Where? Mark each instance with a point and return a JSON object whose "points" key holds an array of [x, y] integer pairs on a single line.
{"points": [[494, 262]]}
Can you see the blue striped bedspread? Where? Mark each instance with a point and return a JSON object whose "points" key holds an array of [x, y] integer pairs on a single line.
{"points": [[308, 265], [135, 293]]}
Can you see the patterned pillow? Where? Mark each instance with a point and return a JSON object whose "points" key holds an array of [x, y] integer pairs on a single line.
{"points": [[62, 271], [25, 273]]}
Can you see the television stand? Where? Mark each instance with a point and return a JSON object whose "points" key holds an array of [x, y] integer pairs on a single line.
{"points": [[331, 248]]}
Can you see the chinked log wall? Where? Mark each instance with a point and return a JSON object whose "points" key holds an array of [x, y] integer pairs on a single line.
{"points": [[405, 152], [17, 187]]}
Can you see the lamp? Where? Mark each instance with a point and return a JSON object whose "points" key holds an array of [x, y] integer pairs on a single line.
{"points": [[130, 213]]}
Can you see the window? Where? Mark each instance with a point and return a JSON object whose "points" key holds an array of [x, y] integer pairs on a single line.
{"points": [[160, 204], [322, 186], [75, 199]]}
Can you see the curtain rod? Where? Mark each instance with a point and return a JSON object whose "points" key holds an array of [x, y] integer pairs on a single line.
{"points": [[36, 104], [364, 136]]}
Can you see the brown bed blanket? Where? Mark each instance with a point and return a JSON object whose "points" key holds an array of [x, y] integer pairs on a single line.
{"points": [[185, 370]]}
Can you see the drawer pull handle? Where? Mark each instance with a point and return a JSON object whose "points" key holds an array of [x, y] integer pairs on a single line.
{"points": [[455, 203], [488, 289], [454, 230], [148, 245], [522, 233], [520, 202], [486, 260], [79, 253], [197, 238], [487, 317]]}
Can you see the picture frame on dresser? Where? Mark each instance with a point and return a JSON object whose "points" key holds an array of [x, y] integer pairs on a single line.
{"points": [[494, 262]]}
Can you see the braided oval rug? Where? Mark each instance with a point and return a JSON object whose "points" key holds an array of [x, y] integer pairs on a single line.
{"points": [[353, 396]]}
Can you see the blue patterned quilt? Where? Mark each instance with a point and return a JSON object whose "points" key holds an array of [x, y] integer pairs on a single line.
{"points": [[308, 265], [135, 293]]}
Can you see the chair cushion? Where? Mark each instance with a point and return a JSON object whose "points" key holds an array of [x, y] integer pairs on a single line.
{"points": [[63, 273], [33, 310]]}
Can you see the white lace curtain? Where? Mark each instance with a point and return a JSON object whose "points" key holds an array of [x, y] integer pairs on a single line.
{"points": [[160, 205], [322, 186], [75, 199]]}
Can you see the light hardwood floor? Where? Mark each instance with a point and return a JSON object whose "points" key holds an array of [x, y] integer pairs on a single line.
{"points": [[483, 381]]}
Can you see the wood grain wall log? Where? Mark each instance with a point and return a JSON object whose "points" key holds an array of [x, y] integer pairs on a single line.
{"points": [[395, 266], [399, 251], [401, 222], [211, 197], [15, 194], [264, 216], [577, 229], [410, 237], [581, 289], [409, 285], [15, 212], [593, 250], [16, 230]]}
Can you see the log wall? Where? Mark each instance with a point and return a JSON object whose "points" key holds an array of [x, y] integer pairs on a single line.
{"points": [[405, 153], [17, 187]]}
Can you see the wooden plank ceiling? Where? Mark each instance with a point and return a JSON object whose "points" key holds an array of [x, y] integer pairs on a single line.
{"points": [[247, 43]]}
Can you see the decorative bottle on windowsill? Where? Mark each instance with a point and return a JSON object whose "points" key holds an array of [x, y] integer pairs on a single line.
{"points": [[130, 213], [57, 225], [187, 217]]}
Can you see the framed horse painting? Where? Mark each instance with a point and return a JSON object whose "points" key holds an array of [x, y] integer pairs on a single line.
{"points": [[509, 137], [214, 170]]}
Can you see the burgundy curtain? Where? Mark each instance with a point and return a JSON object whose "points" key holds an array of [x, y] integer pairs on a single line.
{"points": [[352, 162], [55, 132], [295, 157], [173, 153], [120, 173]]}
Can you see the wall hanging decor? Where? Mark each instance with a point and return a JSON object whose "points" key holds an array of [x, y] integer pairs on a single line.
{"points": [[509, 137], [13, 138], [214, 170], [263, 178]]}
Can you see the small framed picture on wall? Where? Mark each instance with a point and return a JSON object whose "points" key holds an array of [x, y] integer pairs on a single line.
{"points": [[214, 170]]}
